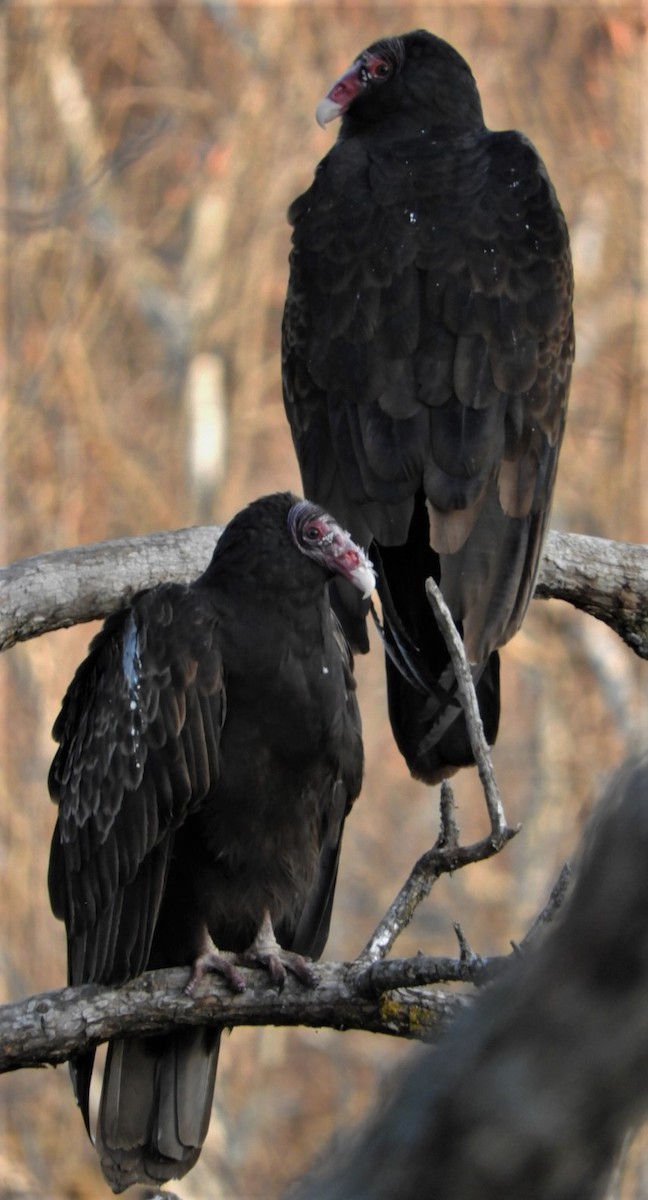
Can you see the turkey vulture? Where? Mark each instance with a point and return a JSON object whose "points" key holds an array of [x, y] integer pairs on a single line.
{"points": [[427, 351], [210, 750]]}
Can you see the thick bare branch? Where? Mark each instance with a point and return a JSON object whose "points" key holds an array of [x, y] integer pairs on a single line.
{"points": [[390, 997], [376, 996], [50, 1027], [51, 591], [66, 587], [608, 580]]}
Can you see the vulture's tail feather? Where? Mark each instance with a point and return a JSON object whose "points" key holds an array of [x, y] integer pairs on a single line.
{"points": [[155, 1106], [430, 731], [424, 709]]}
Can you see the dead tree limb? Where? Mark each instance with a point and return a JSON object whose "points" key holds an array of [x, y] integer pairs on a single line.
{"points": [[51, 591], [380, 998], [608, 580], [500, 832], [390, 997], [447, 855], [67, 587]]}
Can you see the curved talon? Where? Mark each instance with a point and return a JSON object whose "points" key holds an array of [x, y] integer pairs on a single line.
{"points": [[270, 963], [211, 960], [279, 963], [303, 971], [266, 952]]}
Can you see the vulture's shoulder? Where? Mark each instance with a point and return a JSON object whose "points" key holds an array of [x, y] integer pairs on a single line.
{"points": [[523, 196], [341, 177], [167, 640]]}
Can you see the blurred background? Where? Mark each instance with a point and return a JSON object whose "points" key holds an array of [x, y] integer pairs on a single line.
{"points": [[151, 151]]}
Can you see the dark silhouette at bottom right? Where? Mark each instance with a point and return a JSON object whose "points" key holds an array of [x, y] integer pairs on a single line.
{"points": [[533, 1090]]}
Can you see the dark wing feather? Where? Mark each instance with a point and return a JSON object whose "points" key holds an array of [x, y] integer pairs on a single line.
{"points": [[428, 343], [315, 919], [312, 931], [139, 735]]}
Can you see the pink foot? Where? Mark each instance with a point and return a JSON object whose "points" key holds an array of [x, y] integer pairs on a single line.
{"points": [[266, 952], [224, 965]]}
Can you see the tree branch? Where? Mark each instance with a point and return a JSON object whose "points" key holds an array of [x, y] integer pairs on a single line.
{"points": [[67, 587], [607, 579], [445, 857], [389, 997], [500, 832], [379, 998]]}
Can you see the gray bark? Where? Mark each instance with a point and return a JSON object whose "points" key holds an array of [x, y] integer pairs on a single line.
{"points": [[65, 587], [377, 997]]}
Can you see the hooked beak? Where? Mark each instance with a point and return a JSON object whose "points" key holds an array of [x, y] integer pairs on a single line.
{"points": [[351, 562], [337, 100]]}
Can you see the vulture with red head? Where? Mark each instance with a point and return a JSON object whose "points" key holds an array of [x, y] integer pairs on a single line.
{"points": [[209, 752], [427, 351]]}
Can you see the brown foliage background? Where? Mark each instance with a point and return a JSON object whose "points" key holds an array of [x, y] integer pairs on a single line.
{"points": [[150, 153]]}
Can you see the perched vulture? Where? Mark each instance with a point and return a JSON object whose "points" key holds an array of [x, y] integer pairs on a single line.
{"points": [[210, 750], [427, 350]]}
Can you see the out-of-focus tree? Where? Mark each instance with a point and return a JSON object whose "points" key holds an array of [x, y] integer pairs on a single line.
{"points": [[533, 1091]]}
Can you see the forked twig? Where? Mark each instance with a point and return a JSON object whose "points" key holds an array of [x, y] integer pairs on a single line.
{"points": [[445, 857], [500, 831], [447, 854], [546, 916]]}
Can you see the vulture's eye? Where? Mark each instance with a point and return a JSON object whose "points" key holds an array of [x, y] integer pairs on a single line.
{"points": [[312, 534], [373, 69]]}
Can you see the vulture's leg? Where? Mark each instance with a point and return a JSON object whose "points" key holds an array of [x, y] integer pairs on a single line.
{"points": [[266, 952]]}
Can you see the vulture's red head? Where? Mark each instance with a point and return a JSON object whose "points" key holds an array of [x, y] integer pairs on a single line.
{"points": [[320, 537], [415, 73], [262, 539]]}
